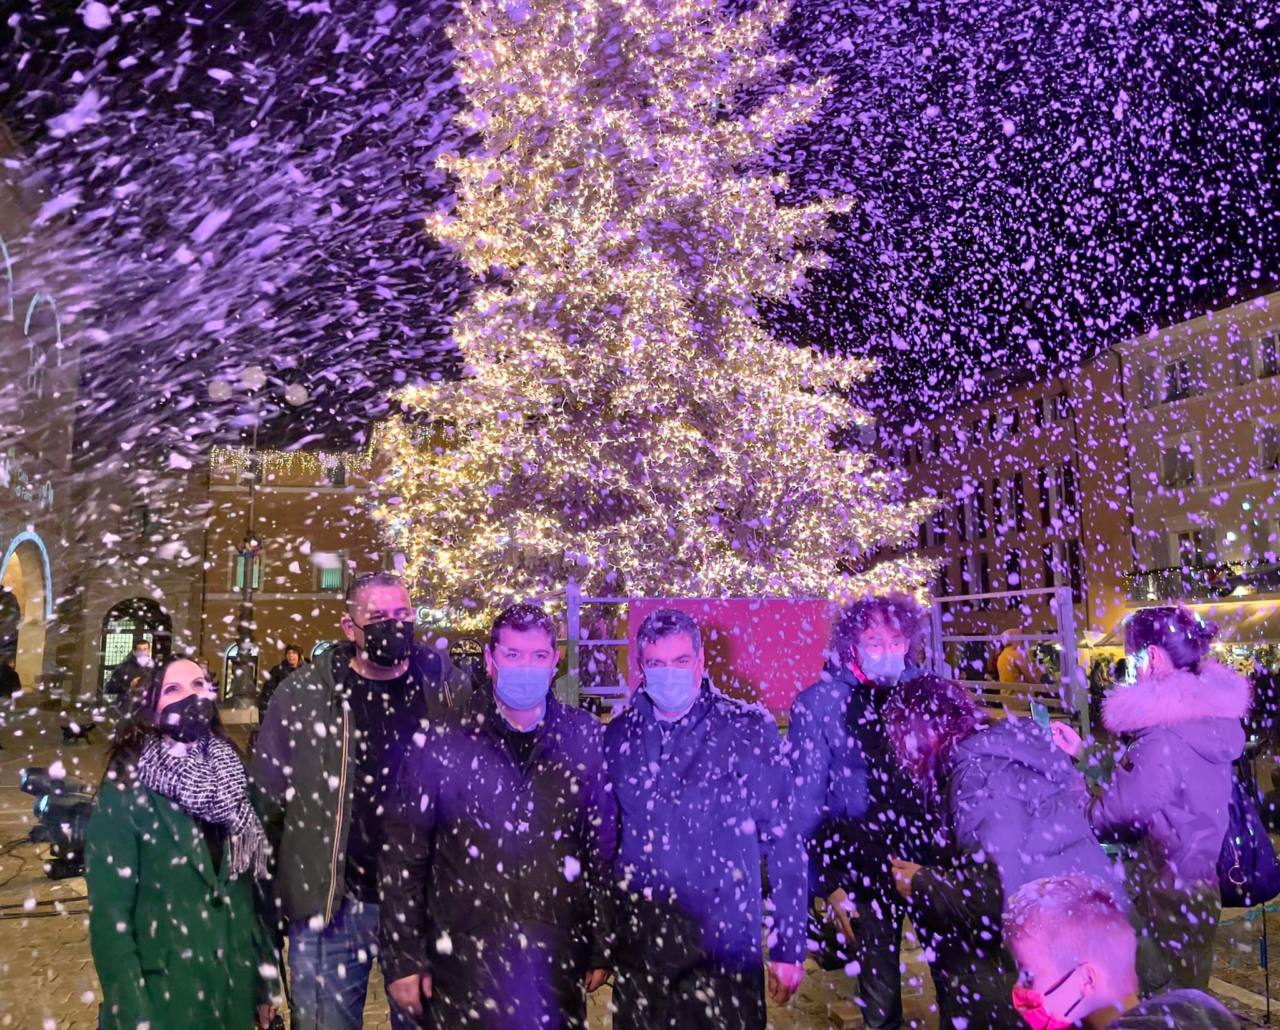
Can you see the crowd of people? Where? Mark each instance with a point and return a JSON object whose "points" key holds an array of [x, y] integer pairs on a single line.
{"points": [[500, 855]]}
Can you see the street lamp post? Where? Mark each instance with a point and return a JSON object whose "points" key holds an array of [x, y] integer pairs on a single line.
{"points": [[244, 685]]}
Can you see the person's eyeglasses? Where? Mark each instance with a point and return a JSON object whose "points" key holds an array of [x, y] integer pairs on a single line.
{"points": [[1024, 981]]}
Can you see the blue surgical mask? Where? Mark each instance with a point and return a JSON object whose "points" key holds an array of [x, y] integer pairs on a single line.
{"points": [[522, 687], [885, 669], [672, 690]]}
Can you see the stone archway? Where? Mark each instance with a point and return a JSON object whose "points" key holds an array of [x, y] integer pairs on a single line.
{"points": [[131, 621], [24, 573]]}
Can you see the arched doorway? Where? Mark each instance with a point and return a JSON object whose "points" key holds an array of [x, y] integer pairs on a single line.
{"points": [[126, 623], [27, 583]]}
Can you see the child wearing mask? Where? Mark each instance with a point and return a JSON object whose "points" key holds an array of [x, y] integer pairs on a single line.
{"points": [[1076, 955]]}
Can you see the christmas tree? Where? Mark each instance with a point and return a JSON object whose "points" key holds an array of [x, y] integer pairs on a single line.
{"points": [[625, 417]]}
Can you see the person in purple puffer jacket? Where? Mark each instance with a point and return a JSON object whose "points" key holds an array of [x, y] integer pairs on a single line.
{"points": [[1169, 794]]}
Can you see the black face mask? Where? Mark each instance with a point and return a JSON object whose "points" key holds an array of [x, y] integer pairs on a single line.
{"points": [[389, 642], [188, 720]]}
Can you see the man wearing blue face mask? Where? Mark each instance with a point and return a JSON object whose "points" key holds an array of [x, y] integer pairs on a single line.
{"points": [[499, 839], [704, 796]]}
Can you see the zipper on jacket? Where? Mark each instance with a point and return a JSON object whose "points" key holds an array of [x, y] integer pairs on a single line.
{"points": [[337, 830]]}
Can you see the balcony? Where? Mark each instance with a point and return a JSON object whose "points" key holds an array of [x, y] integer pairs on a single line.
{"points": [[1205, 582]]}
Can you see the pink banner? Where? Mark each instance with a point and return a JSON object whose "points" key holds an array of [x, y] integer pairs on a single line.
{"points": [[759, 649]]}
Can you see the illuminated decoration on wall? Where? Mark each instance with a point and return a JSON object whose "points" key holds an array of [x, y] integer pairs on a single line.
{"points": [[14, 480], [6, 270], [625, 417], [313, 464], [41, 351], [33, 538]]}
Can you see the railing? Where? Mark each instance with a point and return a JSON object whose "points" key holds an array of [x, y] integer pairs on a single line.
{"points": [[1067, 697], [1204, 582]]}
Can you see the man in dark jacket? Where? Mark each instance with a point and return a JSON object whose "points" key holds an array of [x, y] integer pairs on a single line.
{"points": [[125, 676], [499, 842], [856, 806], [278, 674], [704, 796], [1076, 953], [323, 766]]}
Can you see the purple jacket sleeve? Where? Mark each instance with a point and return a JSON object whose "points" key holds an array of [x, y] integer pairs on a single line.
{"points": [[783, 847], [1142, 785]]}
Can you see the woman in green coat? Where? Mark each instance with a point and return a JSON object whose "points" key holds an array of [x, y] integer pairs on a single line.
{"points": [[174, 854]]}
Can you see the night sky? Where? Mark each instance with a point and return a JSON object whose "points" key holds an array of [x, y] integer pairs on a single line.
{"points": [[243, 182]]}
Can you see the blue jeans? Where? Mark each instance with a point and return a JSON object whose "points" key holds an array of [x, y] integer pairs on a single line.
{"points": [[329, 971]]}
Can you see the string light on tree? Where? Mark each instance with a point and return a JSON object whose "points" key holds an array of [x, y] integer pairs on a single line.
{"points": [[625, 417]]}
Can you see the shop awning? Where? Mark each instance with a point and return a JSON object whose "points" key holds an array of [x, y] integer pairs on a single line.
{"points": [[1250, 621]]}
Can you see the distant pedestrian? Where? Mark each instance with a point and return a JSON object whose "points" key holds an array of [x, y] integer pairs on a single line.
{"points": [[499, 841], [126, 677], [1170, 791], [704, 799], [1075, 951], [324, 763], [1013, 665], [10, 682], [174, 858], [288, 665]]}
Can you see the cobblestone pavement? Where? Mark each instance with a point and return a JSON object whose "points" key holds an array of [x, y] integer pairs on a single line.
{"points": [[47, 980]]}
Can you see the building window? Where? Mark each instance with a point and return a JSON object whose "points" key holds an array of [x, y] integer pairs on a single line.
{"points": [[1192, 548], [1068, 488], [1269, 447], [1046, 503], [237, 578], [1075, 567], [997, 506], [922, 535], [331, 578], [1019, 502], [1050, 573], [941, 588], [984, 576], [939, 526], [1179, 380], [980, 515], [1269, 355], [1061, 406], [1178, 464], [1013, 576], [336, 475], [962, 525]]}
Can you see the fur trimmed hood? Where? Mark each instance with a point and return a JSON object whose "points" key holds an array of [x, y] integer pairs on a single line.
{"points": [[1216, 692]]}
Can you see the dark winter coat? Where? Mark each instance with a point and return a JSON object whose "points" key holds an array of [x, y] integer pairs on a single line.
{"points": [[1170, 791], [855, 806], [703, 803], [1015, 811], [494, 876], [1177, 1010], [304, 767], [175, 941], [124, 676], [279, 673]]}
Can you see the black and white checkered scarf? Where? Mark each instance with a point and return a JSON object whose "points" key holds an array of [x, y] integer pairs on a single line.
{"points": [[209, 783]]}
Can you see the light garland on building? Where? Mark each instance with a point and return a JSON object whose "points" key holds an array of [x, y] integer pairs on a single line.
{"points": [[313, 464], [625, 417]]}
